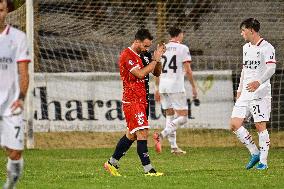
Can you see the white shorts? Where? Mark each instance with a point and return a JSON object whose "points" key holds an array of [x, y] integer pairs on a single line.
{"points": [[177, 101], [12, 132], [259, 109]]}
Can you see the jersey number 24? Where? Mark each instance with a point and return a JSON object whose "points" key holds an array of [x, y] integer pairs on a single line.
{"points": [[169, 64]]}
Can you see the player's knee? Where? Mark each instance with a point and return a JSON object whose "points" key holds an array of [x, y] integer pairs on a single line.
{"points": [[235, 125], [260, 126], [182, 120], [14, 154], [142, 134]]}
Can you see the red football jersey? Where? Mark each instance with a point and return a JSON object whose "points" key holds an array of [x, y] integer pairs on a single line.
{"points": [[133, 88]]}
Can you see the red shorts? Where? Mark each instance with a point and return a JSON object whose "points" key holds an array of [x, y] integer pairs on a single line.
{"points": [[135, 116]]}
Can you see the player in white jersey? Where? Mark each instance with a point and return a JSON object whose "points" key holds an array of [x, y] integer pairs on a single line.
{"points": [[171, 91], [14, 80], [254, 92]]}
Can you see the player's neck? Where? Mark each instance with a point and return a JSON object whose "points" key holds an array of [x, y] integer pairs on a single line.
{"points": [[175, 40], [134, 49], [255, 40], [2, 27]]}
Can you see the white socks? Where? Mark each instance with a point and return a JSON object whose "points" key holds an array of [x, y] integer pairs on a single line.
{"points": [[14, 170], [172, 125], [264, 143], [172, 137], [245, 138]]}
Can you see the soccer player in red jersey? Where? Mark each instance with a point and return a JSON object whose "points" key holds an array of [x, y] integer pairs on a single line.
{"points": [[134, 100]]}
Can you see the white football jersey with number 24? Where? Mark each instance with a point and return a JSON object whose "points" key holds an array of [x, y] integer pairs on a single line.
{"points": [[172, 76]]}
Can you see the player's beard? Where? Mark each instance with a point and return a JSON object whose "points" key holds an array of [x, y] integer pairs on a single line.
{"points": [[2, 26], [139, 50]]}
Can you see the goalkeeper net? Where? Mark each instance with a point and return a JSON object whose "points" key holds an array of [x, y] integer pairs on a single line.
{"points": [[87, 36]]}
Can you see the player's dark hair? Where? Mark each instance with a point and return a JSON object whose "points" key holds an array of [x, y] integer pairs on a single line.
{"points": [[174, 31], [143, 34], [251, 23]]}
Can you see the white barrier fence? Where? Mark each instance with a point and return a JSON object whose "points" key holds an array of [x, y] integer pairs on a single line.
{"points": [[92, 102]]}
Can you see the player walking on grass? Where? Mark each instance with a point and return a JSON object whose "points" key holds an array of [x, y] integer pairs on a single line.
{"points": [[254, 92], [14, 80], [134, 100], [171, 91]]}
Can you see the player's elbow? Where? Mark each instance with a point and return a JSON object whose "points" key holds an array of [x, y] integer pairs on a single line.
{"points": [[140, 76], [188, 71]]}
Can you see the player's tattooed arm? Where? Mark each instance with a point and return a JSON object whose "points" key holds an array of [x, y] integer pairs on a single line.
{"points": [[157, 93], [240, 87], [189, 74], [17, 106], [157, 70]]}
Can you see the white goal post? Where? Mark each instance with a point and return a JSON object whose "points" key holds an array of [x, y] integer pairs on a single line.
{"points": [[29, 99]]}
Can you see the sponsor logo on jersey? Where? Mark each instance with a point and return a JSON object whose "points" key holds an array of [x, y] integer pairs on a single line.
{"points": [[251, 64], [6, 60]]}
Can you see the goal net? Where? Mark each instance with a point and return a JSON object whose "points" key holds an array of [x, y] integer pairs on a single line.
{"points": [[77, 45]]}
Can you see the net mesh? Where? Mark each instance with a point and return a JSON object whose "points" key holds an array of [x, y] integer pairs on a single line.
{"points": [[87, 35]]}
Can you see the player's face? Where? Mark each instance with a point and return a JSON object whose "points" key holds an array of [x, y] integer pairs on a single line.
{"points": [[247, 34], [3, 13], [145, 45]]}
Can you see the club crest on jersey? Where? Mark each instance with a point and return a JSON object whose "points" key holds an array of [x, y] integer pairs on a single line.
{"points": [[131, 62], [272, 57], [139, 117]]}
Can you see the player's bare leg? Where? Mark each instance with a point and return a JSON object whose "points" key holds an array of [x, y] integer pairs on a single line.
{"points": [[264, 143], [14, 167], [244, 136]]}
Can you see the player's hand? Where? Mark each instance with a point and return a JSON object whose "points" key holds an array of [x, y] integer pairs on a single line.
{"points": [[238, 95], [157, 96], [17, 107], [161, 49], [194, 93], [157, 70], [252, 86]]}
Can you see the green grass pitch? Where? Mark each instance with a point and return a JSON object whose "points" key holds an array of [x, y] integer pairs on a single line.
{"points": [[199, 168]]}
